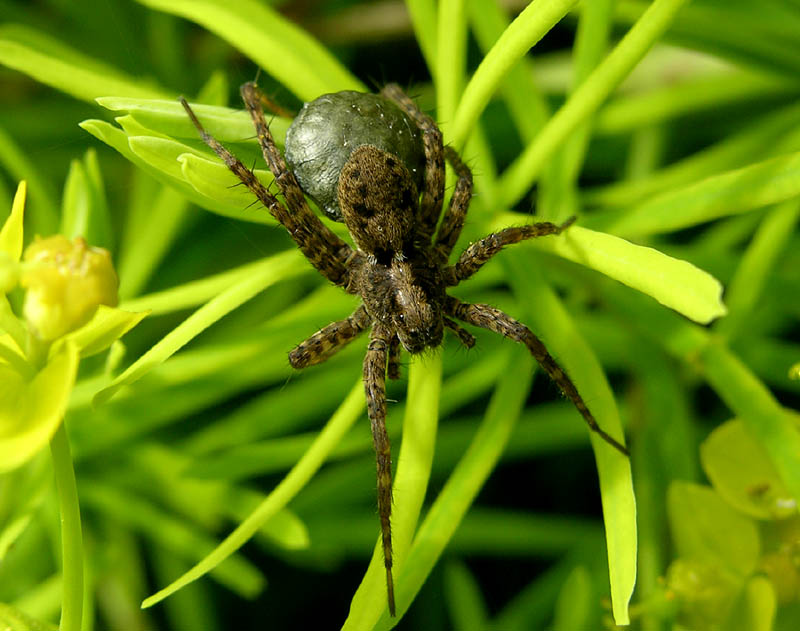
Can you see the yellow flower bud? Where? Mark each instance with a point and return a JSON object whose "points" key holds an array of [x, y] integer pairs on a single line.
{"points": [[65, 281]]}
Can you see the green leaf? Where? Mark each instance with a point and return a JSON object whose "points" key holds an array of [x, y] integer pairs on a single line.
{"points": [[465, 601], [708, 530], [676, 284], [50, 62], [524, 32], [456, 497], [410, 483], [22, 168], [743, 475], [341, 421], [739, 191], [116, 138], [84, 212], [553, 323], [11, 232], [523, 172], [575, 602], [168, 117], [214, 180], [12, 619], [284, 50], [755, 608], [32, 409], [106, 326], [268, 272]]}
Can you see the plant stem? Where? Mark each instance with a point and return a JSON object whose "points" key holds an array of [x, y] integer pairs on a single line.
{"points": [[71, 537]]}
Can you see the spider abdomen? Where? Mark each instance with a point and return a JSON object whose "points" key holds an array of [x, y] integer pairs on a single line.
{"points": [[327, 130]]}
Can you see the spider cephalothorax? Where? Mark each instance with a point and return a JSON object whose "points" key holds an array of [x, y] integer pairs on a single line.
{"points": [[376, 162]]}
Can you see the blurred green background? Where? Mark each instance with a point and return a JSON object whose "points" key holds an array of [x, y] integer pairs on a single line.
{"points": [[168, 467]]}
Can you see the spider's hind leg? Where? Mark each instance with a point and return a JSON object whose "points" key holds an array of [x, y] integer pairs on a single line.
{"points": [[495, 320]]}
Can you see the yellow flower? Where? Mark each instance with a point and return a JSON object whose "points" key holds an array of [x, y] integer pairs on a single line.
{"points": [[65, 281]]}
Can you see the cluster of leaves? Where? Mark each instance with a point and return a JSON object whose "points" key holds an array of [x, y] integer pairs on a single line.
{"points": [[200, 432]]}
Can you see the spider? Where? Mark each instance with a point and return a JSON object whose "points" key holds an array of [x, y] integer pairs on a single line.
{"points": [[399, 266]]}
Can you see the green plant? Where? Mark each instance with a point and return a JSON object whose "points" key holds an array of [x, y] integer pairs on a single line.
{"points": [[200, 431]]}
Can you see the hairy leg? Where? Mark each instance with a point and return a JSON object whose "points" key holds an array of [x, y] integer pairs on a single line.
{"points": [[329, 340], [456, 212], [433, 189], [326, 252], [466, 338], [476, 255], [495, 320], [393, 370], [375, 388]]}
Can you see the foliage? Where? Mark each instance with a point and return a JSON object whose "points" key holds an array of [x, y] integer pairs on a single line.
{"points": [[193, 439]]}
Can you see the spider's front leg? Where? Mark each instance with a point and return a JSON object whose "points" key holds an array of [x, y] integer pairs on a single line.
{"points": [[375, 389], [495, 320], [479, 253], [326, 252], [329, 340]]}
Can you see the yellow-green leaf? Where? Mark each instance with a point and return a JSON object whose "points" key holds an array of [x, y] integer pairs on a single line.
{"points": [[11, 233], [32, 409], [108, 325]]}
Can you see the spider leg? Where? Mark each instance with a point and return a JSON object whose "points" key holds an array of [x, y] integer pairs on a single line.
{"points": [[329, 340], [326, 252], [467, 339], [456, 212], [375, 389], [476, 255], [393, 369], [495, 320], [433, 189]]}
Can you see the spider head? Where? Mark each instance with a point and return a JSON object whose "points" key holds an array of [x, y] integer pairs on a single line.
{"points": [[416, 319], [378, 200]]}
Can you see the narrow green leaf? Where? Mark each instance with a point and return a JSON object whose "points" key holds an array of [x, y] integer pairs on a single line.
{"points": [[12, 619], [268, 272], [11, 232], [106, 326], [50, 62], [14, 159], [460, 489], [519, 177], [523, 33], [118, 139], [739, 191], [676, 284], [168, 117], [465, 601], [341, 421], [408, 492], [574, 605], [757, 265], [282, 49], [212, 179], [756, 607], [551, 320]]}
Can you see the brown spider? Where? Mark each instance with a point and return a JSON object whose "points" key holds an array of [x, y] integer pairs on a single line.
{"points": [[399, 268]]}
